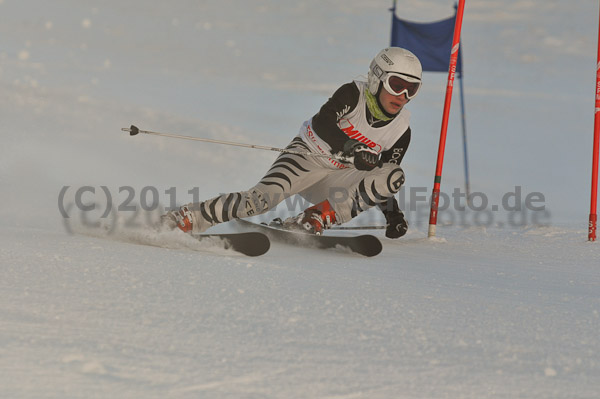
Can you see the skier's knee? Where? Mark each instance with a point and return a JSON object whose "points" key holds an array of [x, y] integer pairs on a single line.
{"points": [[394, 177]]}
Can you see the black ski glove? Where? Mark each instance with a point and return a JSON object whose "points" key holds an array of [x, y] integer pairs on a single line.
{"points": [[365, 158], [396, 225]]}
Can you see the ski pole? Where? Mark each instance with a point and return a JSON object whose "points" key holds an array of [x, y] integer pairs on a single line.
{"points": [[134, 130]]}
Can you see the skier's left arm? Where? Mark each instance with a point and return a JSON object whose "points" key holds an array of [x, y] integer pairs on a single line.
{"points": [[396, 153]]}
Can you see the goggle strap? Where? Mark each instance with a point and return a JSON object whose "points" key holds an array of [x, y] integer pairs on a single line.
{"points": [[410, 76]]}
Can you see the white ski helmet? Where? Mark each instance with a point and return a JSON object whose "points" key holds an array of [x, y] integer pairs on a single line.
{"points": [[395, 61]]}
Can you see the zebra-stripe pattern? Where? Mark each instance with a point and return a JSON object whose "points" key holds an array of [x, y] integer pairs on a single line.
{"points": [[220, 209], [288, 173], [286, 166]]}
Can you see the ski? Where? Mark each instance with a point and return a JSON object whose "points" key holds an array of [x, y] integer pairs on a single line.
{"points": [[250, 243], [365, 244]]}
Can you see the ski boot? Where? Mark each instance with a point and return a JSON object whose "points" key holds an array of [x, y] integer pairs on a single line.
{"points": [[313, 220], [181, 218]]}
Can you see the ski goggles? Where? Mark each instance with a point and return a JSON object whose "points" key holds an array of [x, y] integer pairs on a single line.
{"points": [[397, 85]]}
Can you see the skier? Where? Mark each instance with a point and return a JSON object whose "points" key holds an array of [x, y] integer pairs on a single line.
{"points": [[364, 128]]}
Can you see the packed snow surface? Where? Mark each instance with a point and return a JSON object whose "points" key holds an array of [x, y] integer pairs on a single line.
{"points": [[503, 303]]}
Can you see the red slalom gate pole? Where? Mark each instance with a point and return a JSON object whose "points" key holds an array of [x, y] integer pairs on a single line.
{"points": [[593, 202], [435, 196]]}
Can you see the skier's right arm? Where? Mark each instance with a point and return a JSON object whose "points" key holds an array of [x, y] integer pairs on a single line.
{"points": [[325, 122]]}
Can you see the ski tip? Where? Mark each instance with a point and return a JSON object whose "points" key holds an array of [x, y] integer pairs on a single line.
{"points": [[367, 245], [133, 130], [247, 243], [252, 244]]}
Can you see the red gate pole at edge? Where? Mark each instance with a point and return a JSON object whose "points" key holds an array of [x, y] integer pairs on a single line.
{"points": [[593, 203], [435, 196]]}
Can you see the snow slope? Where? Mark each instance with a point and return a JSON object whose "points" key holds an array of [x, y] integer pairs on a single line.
{"points": [[503, 304], [479, 314]]}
